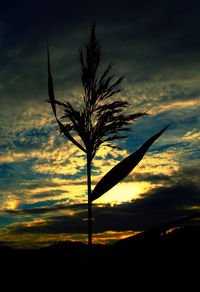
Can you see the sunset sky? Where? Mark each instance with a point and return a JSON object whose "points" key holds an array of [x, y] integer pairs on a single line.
{"points": [[43, 189]]}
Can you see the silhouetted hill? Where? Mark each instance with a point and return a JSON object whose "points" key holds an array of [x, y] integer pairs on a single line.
{"points": [[166, 263], [175, 241]]}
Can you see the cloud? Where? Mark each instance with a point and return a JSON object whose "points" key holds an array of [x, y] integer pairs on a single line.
{"points": [[193, 135], [37, 240], [56, 224], [157, 206], [55, 207], [26, 169], [42, 225], [161, 204], [146, 61], [152, 178]]}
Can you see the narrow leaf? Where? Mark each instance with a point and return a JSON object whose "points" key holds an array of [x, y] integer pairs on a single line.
{"points": [[123, 168], [50, 85], [53, 104], [67, 134]]}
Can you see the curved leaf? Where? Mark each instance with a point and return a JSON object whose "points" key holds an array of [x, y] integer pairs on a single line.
{"points": [[123, 168], [50, 85], [53, 104]]}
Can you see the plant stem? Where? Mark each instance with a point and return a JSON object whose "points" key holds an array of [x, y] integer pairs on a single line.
{"points": [[89, 202]]}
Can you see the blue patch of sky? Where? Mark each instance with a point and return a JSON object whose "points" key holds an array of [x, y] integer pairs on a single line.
{"points": [[7, 170], [78, 175], [94, 169], [19, 170], [36, 133], [47, 203], [191, 121], [184, 120], [110, 156], [192, 153], [5, 220], [163, 148], [30, 138]]}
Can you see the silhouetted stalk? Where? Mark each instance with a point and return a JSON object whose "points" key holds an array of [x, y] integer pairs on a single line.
{"points": [[89, 202], [99, 122]]}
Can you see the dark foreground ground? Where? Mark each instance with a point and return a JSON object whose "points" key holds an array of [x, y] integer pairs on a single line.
{"points": [[168, 263]]}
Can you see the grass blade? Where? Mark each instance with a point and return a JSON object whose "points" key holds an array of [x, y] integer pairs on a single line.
{"points": [[123, 168], [53, 104], [50, 85], [67, 134]]}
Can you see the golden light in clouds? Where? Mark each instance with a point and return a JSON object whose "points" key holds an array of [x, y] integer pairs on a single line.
{"points": [[192, 135], [175, 104], [66, 160], [10, 204], [77, 191], [124, 192], [159, 163], [13, 205], [67, 190]]}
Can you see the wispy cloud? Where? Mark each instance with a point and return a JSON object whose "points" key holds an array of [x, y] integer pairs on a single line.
{"points": [[193, 136]]}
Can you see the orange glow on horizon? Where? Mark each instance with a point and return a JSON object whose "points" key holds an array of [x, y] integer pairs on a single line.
{"points": [[37, 240]]}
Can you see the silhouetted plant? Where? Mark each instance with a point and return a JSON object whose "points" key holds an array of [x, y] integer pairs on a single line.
{"points": [[99, 122]]}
